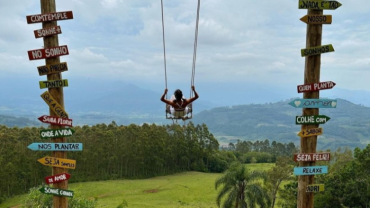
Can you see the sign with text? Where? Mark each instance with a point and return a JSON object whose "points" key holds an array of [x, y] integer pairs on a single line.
{"points": [[53, 83], [54, 105], [56, 192], [315, 188], [57, 178], [317, 50], [37, 18], [47, 32], [315, 86], [55, 146], [310, 132], [318, 4], [317, 19], [56, 120], [310, 170], [52, 69], [56, 133], [58, 162], [314, 103], [311, 157], [48, 52], [320, 119]]}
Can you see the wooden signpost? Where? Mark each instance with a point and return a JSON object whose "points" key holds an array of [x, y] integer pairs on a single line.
{"points": [[53, 83], [58, 162], [314, 103], [48, 52], [317, 19], [318, 4], [56, 120], [311, 157], [56, 192], [56, 133], [52, 69], [47, 32], [48, 17], [310, 132], [57, 178], [310, 170], [315, 86], [54, 105], [317, 50], [56, 146], [320, 119], [315, 188]]}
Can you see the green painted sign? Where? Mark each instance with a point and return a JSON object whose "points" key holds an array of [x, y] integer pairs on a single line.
{"points": [[53, 83], [56, 133], [317, 50], [320, 119], [56, 192], [318, 4]]}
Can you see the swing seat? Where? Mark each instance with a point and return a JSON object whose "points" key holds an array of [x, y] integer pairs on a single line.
{"points": [[179, 114]]}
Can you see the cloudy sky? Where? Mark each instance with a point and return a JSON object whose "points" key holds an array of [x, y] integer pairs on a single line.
{"points": [[240, 42]]}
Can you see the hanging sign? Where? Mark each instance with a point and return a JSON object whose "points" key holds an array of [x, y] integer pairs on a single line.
{"points": [[58, 162], [314, 103], [310, 132], [48, 52], [47, 32], [37, 18], [56, 120], [320, 119], [56, 192], [315, 188], [53, 83], [54, 105], [310, 170], [56, 133], [316, 19], [317, 50], [57, 178], [52, 69], [315, 86], [311, 157], [55, 146], [318, 4]]}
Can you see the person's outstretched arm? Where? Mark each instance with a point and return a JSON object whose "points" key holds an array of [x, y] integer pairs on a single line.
{"points": [[164, 100], [195, 95]]}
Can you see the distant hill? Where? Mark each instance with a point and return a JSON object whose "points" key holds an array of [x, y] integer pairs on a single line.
{"points": [[11, 121]]}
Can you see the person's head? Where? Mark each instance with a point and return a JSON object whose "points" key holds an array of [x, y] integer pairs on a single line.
{"points": [[178, 94]]}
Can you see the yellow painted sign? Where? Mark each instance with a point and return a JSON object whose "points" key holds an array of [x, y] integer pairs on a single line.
{"points": [[315, 188], [52, 69], [58, 162], [310, 132], [54, 105], [317, 19], [318, 4], [53, 83], [317, 50]]}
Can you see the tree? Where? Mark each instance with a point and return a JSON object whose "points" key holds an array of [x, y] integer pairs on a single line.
{"points": [[241, 188]]}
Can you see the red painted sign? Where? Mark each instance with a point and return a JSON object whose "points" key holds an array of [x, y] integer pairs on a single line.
{"points": [[310, 157], [49, 17], [315, 86], [48, 52], [47, 32], [56, 120], [57, 178]]}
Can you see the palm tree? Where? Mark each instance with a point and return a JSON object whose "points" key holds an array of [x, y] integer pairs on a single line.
{"points": [[242, 188]]}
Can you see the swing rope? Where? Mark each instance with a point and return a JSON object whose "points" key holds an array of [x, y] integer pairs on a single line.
{"points": [[164, 49]]}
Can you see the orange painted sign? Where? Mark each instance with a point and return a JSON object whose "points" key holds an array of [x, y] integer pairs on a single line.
{"points": [[58, 162], [317, 19], [54, 105]]}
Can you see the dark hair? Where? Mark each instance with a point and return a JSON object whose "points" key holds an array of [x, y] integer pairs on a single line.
{"points": [[178, 95]]}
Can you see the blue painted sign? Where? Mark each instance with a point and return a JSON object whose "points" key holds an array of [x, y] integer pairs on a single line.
{"points": [[310, 170], [56, 146], [314, 103]]}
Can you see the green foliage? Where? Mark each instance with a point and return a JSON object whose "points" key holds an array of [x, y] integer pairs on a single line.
{"points": [[123, 204]]}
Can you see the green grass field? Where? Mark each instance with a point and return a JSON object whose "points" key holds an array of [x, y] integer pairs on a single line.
{"points": [[183, 190]]}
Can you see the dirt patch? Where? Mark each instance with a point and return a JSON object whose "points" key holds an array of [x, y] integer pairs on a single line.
{"points": [[151, 191], [17, 206]]}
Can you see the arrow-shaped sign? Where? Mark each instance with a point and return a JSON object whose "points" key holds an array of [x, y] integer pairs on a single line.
{"points": [[310, 132], [58, 162], [56, 146], [315, 86], [54, 105], [56, 192], [317, 19], [56, 120], [318, 4], [57, 178], [320, 119], [317, 50], [314, 103], [56, 133]]}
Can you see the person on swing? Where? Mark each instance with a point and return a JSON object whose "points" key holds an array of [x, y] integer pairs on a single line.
{"points": [[178, 104]]}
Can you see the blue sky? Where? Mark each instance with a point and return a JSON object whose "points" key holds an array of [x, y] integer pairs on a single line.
{"points": [[240, 42]]}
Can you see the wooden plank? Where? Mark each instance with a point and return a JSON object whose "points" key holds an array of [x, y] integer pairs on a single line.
{"points": [[48, 52], [315, 86], [310, 132], [55, 146], [318, 4], [313, 103], [317, 50], [311, 157], [56, 133], [315, 188], [305, 120], [56, 120], [310, 170], [317, 19], [56, 192], [54, 106], [57, 178], [53, 83], [48, 17], [58, 162], [47, 32], [52, 68]]}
